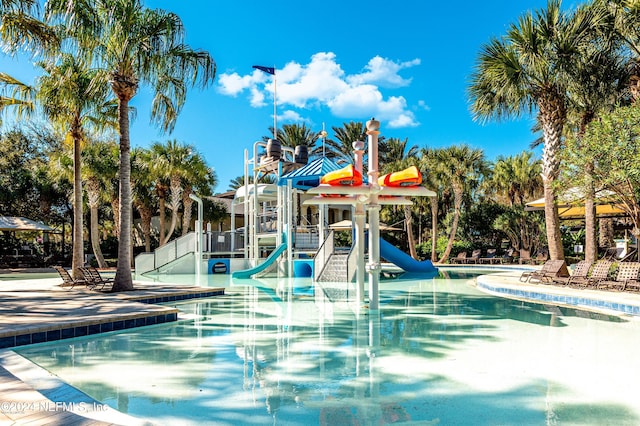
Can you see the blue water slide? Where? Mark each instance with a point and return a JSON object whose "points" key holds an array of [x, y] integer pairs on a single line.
{"points": [[403, 260], [247, 273]]}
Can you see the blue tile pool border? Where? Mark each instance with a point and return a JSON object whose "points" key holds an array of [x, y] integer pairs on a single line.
{"points": [[122, 323], [579, 301]]}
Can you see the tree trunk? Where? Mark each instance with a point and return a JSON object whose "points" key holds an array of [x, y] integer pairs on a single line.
{"points": [[434, 228], [606, 233], [95, 237], [590, 248], [175, 196], [552, 117], [409, 221], [77, 259], [162, 219], [187, 202], [124, 90], [457, 203], [552, 222]]}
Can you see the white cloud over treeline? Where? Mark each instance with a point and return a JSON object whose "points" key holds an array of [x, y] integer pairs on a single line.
{"points": [[322, 83]]}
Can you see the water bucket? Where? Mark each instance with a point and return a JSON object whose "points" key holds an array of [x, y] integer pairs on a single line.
{"points": [[301, 154], [274, 149]]}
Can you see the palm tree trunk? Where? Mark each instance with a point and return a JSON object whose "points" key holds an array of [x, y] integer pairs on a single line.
{"points": [[123, 280], [95, 237], [434, 228], [162, 219], [457, 203], [409, 221], [552, 116], [175, 195], [187, 202], [590, 249], [77, 259]]}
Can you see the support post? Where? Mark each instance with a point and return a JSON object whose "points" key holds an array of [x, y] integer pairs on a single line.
{"points": [[373, 266]]}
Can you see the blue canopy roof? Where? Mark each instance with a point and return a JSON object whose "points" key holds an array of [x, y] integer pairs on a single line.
{"points": [[309, 176]]}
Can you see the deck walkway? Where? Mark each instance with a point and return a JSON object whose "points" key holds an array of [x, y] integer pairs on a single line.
{"points": [[35, 311]]}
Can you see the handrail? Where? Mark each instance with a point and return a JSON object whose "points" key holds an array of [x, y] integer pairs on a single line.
{"points": [[322, 255], [351, 265], [170, 251]]}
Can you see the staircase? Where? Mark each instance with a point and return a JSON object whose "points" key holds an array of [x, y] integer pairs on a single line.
{"points": [[335, 269]]}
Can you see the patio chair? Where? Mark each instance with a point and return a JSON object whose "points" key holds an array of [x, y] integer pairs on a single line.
{"points": [[475, 256], [460, 258], [599, 272], [550, 270], [580, 273], [94, 279], [67, 280], [525, 256], [627, 273], [490, 257], [541, 257]]}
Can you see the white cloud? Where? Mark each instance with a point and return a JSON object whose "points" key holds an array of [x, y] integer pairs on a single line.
{"points": [[384, 73], [291, 116], [323, 83]]}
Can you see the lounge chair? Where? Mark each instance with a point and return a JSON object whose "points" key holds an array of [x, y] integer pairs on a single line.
{"points": [[94, 279], [599, 272], [460, 258], [67, 280], [580, 274], [475, 256], [550, 270], [490, 257], [628, 272]]}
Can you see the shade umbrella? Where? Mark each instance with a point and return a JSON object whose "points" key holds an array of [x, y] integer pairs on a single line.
{"points": [[15, 223], [571, 205]]}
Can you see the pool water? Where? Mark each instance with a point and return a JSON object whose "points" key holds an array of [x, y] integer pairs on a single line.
{"points": [[287, 352]]}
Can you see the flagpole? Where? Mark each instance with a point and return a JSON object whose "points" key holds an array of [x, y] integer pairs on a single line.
{"points": [[275, 111]]}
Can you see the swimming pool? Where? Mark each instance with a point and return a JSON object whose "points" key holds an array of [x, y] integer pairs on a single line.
{"points": [[288, 353]]}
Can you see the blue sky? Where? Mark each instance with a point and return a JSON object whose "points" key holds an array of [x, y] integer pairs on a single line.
{"points": [[407, 63]]}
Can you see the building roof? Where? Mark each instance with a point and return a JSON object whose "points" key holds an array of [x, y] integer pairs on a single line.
{"points": [[309, 176]]}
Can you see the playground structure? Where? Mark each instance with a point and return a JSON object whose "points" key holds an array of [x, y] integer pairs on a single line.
{"points": [[348, 189], [286, 229]]}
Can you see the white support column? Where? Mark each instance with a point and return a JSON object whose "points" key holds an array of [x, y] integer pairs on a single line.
{"points": [[360, 222], [373, 267]]}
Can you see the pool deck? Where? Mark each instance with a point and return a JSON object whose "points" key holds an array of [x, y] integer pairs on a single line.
{"points": [[36, 311]]}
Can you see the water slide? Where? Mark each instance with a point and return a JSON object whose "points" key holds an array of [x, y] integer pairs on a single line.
{"points": [[403, 260], [247, 273]]}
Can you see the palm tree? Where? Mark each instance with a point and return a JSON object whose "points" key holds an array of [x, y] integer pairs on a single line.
{"points": [[135, 45], [142, 189], [433, 178], [171, 162], [199, 177], [464, 168], [529, 68], [518, 177], [72, 96], [99, 168], [395, 156], [20, 28], [346, 135], [600, 81]]}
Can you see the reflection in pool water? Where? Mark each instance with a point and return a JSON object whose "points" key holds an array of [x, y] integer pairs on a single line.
{"points": [[286, 352]]}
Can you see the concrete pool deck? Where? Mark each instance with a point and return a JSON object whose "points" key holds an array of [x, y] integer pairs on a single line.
{"points": [[35, 311]]}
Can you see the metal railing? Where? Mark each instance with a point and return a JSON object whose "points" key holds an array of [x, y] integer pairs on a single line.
{"points": [[169, 252], [226, 241], [322, 256]]}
